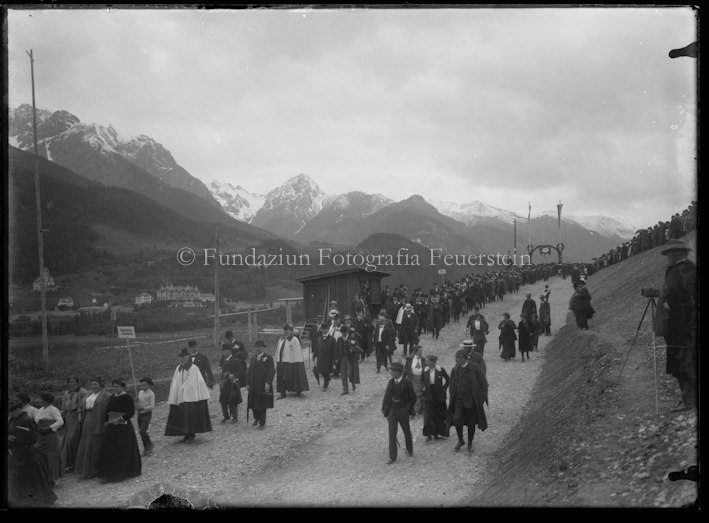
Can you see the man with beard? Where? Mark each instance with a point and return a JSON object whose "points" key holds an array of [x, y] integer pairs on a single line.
{"points": [[409, 326], [290, 365]]}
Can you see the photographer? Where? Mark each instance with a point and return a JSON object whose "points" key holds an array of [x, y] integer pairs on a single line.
{"points": [[676, 321]]}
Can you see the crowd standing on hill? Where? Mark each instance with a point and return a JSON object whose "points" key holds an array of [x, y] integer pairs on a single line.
{"points": [[646, 239]]}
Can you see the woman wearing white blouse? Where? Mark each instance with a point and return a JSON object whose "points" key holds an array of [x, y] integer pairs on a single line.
{"points": [[49, 420]]}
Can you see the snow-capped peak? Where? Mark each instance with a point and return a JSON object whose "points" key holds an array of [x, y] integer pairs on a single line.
{"points": [[237, 201]]}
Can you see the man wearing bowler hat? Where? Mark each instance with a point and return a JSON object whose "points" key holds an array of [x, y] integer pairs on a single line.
{"points": [[676, 321], [260, 384], [398, 404], [468, 391]]}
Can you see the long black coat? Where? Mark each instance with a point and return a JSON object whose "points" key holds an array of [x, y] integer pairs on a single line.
{"points": [[526, 343], [260, 374], [409, 328], [325, 350], [529, 307], [470, 384]]}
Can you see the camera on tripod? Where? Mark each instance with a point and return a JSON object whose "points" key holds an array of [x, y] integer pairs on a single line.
{"points": [[651, 293]]}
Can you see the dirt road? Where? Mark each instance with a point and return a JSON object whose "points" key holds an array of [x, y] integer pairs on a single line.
{"points": [[347, 465]]}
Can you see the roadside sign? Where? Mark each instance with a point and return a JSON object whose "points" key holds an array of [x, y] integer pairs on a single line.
{"points": [[441, 271], [126, 332]]}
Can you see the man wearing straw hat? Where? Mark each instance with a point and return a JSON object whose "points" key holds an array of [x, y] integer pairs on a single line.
{"points": [[676, 321], [398, 404]]}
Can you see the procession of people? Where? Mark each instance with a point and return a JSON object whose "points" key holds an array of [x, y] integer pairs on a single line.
{"points": [[99, 438]]}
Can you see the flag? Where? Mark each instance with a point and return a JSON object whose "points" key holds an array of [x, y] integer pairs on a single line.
{"points": [[558, 207]]}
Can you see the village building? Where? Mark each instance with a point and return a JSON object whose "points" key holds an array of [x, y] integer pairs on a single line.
{"points": [[65, 303], [182, 293], [48, 283], [143, 298], [206, 296]]}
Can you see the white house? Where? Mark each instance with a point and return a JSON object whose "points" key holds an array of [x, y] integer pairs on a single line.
{"points": [[206, 296], [143, 298], [65, 303]]}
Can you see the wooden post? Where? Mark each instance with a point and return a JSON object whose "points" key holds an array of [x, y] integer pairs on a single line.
{"points": [[256, 324], [248, 319], [289, 315], [42, 282]]}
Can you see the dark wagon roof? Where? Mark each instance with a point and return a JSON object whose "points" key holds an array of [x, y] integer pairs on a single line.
{"points": [[357, 270]]}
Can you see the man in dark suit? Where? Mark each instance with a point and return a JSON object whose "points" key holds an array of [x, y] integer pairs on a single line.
{"points": [[382, 340], [398, 404], [260, 384], [529, 306], [478, 328], [474, 356], [324, 354], [202, 362], [232, 380], [409, 328], [468, 391]]}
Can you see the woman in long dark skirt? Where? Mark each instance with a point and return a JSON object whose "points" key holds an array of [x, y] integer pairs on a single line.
{"points": [[71, 412], [526, 336], [435, 383], [49, 447], [27, 478], [120, 455], [93, 413], [507, 337]]}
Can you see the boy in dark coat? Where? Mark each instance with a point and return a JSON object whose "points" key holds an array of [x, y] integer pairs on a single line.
{"points": [[468, 391], [260, 384], [230, 385], [398, 404]]}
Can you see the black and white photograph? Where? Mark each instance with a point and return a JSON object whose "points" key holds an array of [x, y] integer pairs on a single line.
{"points": [[351, 256]]}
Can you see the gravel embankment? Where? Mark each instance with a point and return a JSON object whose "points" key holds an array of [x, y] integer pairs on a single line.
{"points": [[328, 449]]}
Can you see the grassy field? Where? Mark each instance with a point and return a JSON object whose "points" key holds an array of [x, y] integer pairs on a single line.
{"points": [[84, 357]]}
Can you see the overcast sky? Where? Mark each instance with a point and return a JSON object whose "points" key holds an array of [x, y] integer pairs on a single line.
{"points": [[505, 106]]}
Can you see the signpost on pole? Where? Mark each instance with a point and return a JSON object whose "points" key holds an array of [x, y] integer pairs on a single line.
{"points": [[129, 333], [442, 272]]}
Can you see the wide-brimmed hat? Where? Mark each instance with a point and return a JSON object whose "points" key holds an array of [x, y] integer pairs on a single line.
{"points": [[467, 343], [184, 352], [192, 343], [333, 313], [397, 366], [147, 380], [347, 317], [408, 307], [675, 245], [260, 343]]}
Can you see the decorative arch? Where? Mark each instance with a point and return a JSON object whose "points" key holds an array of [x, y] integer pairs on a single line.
{"points": [[544, 250]]}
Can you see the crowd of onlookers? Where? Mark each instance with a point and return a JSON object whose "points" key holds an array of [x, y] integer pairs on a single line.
{"points": [[645, 239]]}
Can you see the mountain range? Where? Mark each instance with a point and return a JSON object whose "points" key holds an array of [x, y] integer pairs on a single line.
{"points": [[298, 210]]}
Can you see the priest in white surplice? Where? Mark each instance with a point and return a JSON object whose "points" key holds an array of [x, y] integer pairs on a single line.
{"points": [[290, 366]]}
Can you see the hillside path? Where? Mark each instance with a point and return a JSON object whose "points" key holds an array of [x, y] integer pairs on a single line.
{"points": [[347, 465]]}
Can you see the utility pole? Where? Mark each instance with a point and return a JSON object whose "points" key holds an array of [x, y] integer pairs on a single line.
{"points": [[42, 282], [216, 288]]}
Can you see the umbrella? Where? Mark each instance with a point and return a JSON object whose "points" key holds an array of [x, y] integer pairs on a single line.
{"points": [[317, 374]]}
